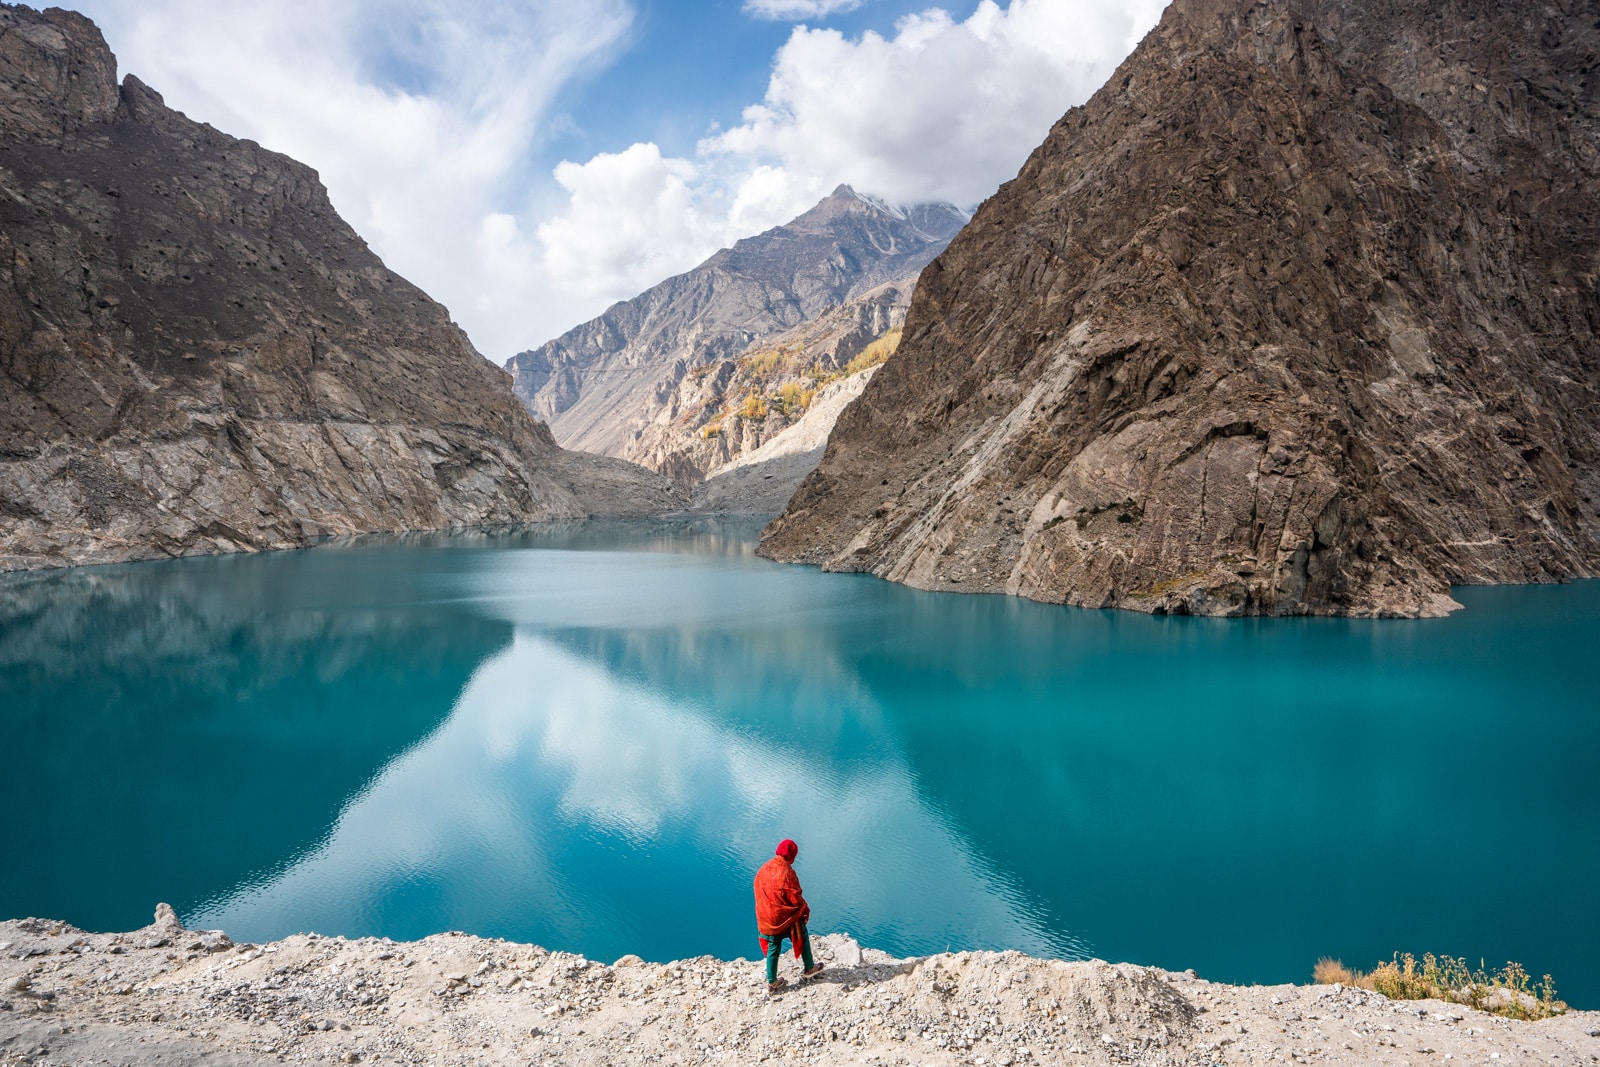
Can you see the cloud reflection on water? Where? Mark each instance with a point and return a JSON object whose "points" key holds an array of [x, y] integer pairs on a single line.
{"points": [[577, 735], [559, 801]]}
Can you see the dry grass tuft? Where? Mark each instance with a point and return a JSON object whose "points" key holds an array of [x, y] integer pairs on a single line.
{"points": [[1509, 991], [1330, 972]]}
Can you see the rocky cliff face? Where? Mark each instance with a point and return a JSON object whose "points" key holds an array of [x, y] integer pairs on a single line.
{"points": [[199, 355], [1297, 314], [644, 380]]}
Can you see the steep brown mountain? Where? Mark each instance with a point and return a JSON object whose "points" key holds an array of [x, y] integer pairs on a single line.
{"points": [[198, 355], [1297, 315]]}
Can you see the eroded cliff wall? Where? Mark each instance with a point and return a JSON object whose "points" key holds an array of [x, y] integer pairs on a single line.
{"points": [[1297, 315], [197, 354]]}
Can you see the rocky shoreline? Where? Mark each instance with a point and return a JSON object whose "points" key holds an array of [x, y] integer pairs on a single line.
{"points": [[167, 995]]}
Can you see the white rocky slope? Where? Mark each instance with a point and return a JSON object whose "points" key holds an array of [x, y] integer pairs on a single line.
{"points": [[170, 996]]}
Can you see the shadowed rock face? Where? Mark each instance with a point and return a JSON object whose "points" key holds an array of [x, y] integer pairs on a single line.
{"points": [[1297, 315], [614, 385], [199, 355]]}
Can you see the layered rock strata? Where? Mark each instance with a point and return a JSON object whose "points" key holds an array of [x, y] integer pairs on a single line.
{"points": [[1297, 315], [199, 355], [642, 381]]}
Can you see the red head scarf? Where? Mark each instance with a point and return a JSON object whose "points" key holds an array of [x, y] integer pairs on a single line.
{"points": [[787, 849]]}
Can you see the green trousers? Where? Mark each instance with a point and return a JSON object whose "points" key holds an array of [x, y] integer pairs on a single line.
{"points": [[775, 949]]}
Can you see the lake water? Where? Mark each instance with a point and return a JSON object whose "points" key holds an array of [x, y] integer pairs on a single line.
{"points": [[590, 736]]}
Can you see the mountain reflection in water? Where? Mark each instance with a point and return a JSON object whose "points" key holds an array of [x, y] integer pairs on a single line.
{"points": [[175, 728], [570, 808], [588, 735]]}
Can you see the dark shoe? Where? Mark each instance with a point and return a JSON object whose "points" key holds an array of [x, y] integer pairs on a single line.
{"points": [[812, 971], [773, 987]]}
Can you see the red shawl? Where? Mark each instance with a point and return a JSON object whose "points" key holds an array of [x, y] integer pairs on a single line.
{"points": [[779, 904]]}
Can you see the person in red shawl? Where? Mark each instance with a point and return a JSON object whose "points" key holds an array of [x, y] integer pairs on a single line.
{"points": [[781, 912]]}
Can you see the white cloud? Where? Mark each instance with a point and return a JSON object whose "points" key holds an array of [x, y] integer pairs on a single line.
{"points": [[798, 9], [421, 117], [943, 110], [630, 222], [424, 118]]}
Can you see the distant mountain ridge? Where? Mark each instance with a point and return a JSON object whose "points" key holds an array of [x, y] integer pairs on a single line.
{"points": [[602, 385], [199, 355], [1300, 313]]}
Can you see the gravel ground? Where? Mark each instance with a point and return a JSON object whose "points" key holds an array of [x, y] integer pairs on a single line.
{"points": [[170, 996]]}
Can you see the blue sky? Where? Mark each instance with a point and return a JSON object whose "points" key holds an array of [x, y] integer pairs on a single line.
{"points": [[529, 162], [703, 62]]}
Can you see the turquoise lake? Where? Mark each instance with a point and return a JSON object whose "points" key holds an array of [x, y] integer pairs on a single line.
{"points": [[589, 737]]}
